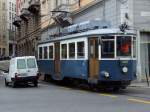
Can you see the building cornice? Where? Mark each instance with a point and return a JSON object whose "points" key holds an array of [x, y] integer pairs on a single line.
{"points": [[81, 9]]}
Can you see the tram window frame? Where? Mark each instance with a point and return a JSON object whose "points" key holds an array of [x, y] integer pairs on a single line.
{"points": [[64, 56], [71, 53], [51, 52], [45, 48], [110, 53], [134, 47], [81, 55], [40, 52]]}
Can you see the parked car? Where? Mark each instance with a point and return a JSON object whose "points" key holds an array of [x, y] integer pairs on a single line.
{"points": [[22, 70]]}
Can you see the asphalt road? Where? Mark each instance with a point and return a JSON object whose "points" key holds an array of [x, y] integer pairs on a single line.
{"points": [[53, 98]]}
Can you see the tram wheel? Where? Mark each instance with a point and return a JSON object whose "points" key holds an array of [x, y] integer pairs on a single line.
{"points": [[116, 89]]}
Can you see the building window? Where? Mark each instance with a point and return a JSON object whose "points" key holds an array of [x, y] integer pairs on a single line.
{"points": [[51, 52], [0, 52], [10, 15], [64, 51], [3, 6], [3, 51], [80, 50], [71, 50]]}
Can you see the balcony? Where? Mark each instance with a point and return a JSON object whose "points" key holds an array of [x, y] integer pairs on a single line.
{"points": [[34, 6], [24, 14], [17, 21], [61, 15]]}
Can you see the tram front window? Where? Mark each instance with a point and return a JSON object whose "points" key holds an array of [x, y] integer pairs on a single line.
{"points": [[108, 46], [124, 45]]}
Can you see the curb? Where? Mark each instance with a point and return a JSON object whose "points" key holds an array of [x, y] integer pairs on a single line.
{"points": [[140, 86]]}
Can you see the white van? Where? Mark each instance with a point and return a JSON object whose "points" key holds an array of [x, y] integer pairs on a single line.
{"points": [[22, 69]]}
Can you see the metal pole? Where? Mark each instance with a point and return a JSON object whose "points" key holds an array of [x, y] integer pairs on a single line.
{"points": [[138, 57]]}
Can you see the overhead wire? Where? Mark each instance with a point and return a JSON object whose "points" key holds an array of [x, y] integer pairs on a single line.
{"points": [[36, 30]]}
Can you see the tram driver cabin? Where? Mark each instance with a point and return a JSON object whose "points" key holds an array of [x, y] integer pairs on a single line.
{"points": [[90, 52]]}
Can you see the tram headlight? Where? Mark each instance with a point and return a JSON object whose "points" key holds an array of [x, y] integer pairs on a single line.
{"points": [[106, 74], [125, 69]]}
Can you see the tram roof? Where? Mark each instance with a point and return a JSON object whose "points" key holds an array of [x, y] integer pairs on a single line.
{"points": [[89, 33]]}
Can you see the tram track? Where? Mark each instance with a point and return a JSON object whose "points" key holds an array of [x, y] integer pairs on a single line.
{"points": [[129, 94]]}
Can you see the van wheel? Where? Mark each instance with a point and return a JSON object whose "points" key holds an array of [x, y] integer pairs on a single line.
{"points": [[14, 84], [35, 83], [6, 83]]}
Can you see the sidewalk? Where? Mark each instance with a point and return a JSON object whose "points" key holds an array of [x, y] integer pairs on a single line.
{"points": [[140, 84]]}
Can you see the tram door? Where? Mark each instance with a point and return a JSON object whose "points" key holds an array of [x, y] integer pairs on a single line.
{"points": [[93, 59], [57, 59]]}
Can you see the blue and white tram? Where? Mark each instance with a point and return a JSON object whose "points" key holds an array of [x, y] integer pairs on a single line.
{"points": [[102, 56]]}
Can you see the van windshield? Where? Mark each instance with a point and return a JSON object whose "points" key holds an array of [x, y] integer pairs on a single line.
{"points": [[31, 63], [21, 64]]}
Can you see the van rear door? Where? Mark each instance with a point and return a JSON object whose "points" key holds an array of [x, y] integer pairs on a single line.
{"points": [[21, 67], [31, 66]]}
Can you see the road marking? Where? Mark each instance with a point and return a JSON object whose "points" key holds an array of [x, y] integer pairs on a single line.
{"points": [[65, 88], [139, 101], [83, 91], [108, 95]]}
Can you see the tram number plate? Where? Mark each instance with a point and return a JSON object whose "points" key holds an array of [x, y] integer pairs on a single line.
{"points": [[123, 63]]}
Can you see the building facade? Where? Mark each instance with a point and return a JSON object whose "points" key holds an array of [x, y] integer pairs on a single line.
{"points": [[27, 22], [3, 29], [11, 13]]}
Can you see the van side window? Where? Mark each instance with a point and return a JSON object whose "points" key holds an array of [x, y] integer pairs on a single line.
{"points": [[40, 52], [21, 64], [80, 50], [31, 63]]}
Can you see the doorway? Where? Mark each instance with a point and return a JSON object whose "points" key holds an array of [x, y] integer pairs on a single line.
{"points": [[93, 58], [57, 60]]}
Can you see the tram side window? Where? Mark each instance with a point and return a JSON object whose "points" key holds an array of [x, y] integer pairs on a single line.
{"points": [[50, 52], [45, 53], [40, 52], [71, 50], [64, 51], [80, 50], [108, 47]]}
